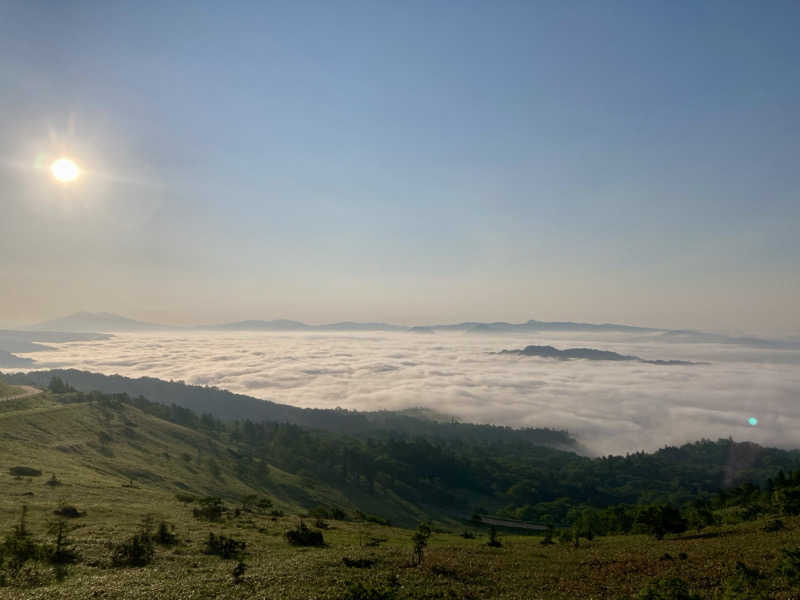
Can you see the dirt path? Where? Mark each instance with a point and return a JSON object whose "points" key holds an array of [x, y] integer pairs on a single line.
{"points": [[29, 391]]}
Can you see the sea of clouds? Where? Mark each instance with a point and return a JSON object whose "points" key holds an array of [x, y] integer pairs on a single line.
{"points": [[610, 407]]}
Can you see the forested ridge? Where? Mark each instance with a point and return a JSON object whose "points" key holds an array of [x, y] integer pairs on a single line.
{"points": [[459, 476]]}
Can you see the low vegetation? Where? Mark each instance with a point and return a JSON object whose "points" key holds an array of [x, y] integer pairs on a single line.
{"points": [[146, 522]]}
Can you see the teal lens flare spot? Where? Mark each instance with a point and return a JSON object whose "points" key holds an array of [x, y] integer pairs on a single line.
{"points": [[753, 421]]}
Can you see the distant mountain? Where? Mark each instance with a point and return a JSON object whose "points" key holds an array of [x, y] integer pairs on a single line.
{"points": [[102, 321], [287, 325], [588, 354], [533, 325], [255, 325], [699, 337]]}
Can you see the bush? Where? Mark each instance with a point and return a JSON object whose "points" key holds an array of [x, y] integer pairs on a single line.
{"points": [[494, 542], [165, 534], [303, 536], [358, 563], [238, 572], [19, 546], [62, 552], [467, 535], [790, 565], [53, 481], [24, 472], [185, 498], [420, 541], [660, 520], [68, 511], [211, 509], [136, 551], [745, 584], [224, 547]]}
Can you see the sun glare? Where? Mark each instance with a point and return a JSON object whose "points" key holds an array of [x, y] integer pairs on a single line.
{"points": [[65, 170]]}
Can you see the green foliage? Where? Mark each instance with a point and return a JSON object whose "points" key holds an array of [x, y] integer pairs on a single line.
{"points": [[790, 565], [19, 546], [358, 563], [62, 551], [746, 583], [420, 542], [68, 512], [238, 572], [303, 536], [662, 519], [494, 541], [667, 588], [137, 551], [57, 386], [165, 534], [211, 509], [224, 547], [24, 472]]}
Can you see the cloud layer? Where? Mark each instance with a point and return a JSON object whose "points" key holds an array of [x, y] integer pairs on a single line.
{"points": [[610, 407]]}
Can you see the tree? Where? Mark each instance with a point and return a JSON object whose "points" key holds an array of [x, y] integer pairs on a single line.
{"points": [[420, 541], [662, 519]]}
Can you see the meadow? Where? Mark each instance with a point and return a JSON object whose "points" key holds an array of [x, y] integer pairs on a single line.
{"points": [[115, 472]]}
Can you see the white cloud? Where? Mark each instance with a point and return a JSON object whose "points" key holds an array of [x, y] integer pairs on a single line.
{"points": [[610, 407]]}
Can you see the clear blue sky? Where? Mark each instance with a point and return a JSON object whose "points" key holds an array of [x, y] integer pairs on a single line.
{"points": [[404, 161]]}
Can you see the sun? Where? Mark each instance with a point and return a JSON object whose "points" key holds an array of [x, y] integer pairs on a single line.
{"points": [[65, 170]]}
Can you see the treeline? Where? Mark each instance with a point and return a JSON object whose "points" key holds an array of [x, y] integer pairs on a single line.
{"points": [[228, 406], [530, 481]]}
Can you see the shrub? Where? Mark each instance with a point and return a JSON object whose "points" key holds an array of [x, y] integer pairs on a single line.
{"points": [[303, 536], [185, 498], [224, 547], [320, 524], [790, 565], [19, 546], [136, 551], [494, 542], [165, 534], [62, 551], [24, 472], [238, 572], [746, 583], [667, 588], [53, 481], [211, 509], [68, 511], [660, 520], [358, 563], [467, 535], [420, 541]]}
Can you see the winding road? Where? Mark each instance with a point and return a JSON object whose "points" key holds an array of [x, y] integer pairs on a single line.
{"points": [[29, 391]]}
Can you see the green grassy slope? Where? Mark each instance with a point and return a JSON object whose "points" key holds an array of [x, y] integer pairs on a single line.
{"points": [[8, 390], [119, 464]]}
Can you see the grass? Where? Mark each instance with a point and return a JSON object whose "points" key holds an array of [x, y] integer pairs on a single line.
{"points": [[8, 390], [139, 466]]}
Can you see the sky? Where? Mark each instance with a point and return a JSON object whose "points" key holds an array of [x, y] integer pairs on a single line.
{"points": [[414, 162]]}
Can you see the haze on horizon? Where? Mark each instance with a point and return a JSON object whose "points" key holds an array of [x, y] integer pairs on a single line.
{"points": [[414, 164]]}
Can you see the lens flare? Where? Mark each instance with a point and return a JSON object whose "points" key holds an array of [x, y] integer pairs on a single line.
{"points": [[65, 170], [753, 421]]}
